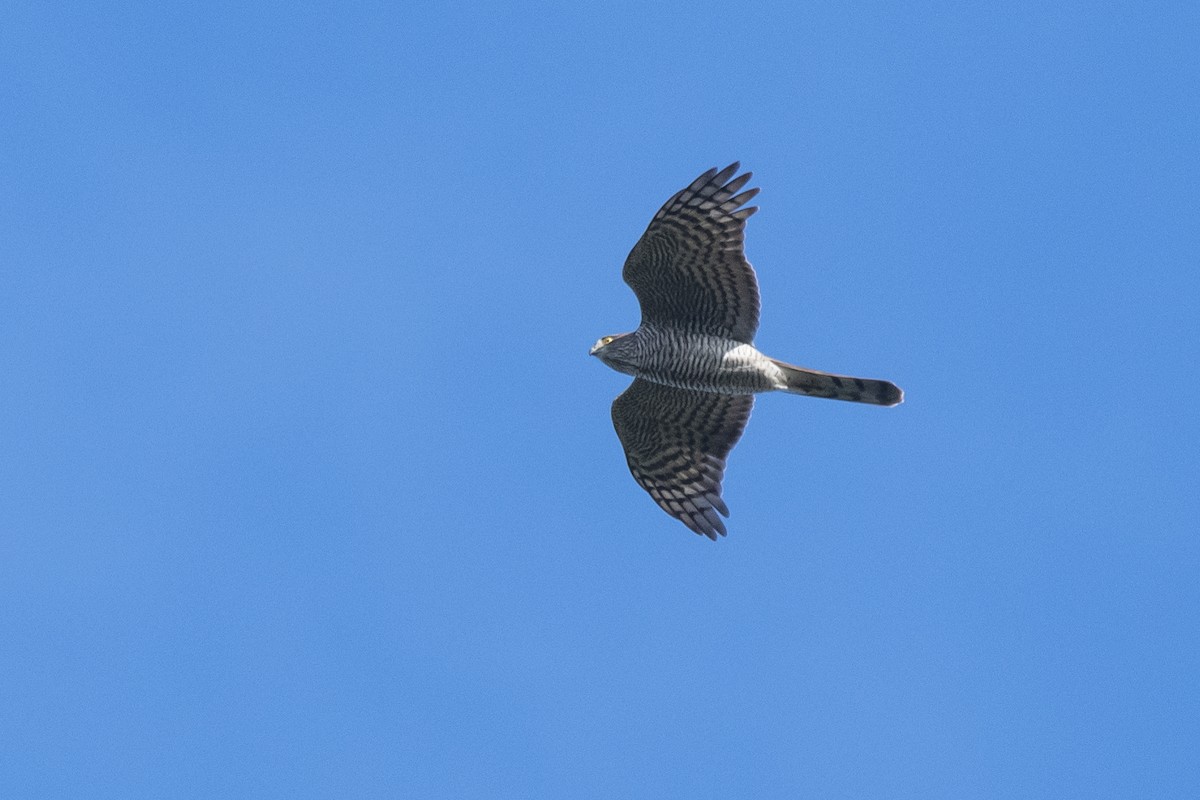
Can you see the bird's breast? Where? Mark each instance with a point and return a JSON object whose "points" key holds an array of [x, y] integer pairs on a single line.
{"points": [[705, 363]]}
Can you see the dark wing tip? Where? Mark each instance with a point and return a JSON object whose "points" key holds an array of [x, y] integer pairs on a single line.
{"points": [[722, 177], [702, 179], [703, 515], [707, 524]]}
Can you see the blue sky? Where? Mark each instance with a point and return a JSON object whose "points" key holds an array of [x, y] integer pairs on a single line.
{"points": [[308, 486]]}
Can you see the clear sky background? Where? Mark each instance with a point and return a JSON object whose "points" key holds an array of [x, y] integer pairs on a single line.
{"points": [[308, 487]]}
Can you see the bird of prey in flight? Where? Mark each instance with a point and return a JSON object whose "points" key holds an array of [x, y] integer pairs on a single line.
{"points": [[693, 360]]}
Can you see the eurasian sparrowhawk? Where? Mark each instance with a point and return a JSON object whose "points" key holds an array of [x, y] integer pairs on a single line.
{"points": [[693, 359]]}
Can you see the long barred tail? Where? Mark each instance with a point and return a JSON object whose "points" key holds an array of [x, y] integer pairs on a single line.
{"points": [[839, 387]]}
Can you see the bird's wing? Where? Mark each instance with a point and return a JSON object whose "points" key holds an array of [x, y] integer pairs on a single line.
{"points": [[676, 441], [689, 270]]}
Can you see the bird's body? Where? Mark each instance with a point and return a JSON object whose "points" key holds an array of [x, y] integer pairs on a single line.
{"points": [[693, 356], [699, 361]]}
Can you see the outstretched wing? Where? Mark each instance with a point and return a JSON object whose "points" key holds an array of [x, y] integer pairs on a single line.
{"points": [[676, 441], [689, 270]]}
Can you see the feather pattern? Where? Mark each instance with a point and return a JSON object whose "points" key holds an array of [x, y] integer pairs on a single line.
{"points": [[689, 269], [676, 441]]}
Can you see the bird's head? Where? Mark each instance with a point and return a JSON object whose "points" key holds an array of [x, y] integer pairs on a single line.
{"points": [[617, 351]]}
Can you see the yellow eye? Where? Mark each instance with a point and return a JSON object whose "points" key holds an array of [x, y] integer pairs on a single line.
{"points": [[606, 340]]}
